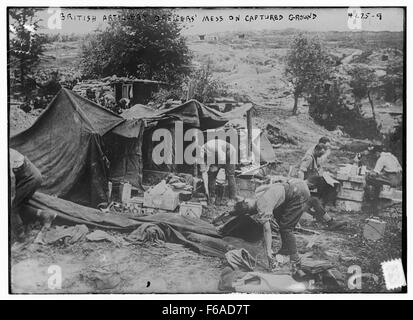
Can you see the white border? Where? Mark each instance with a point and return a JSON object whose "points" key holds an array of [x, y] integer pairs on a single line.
{"points": [[199, 3]]}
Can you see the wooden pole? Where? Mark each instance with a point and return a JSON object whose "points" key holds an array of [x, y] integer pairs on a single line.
{"points": [[249, 133]]}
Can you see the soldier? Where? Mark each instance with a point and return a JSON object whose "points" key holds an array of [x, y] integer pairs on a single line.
{"points": [[387, 171], [310, 170], [285, 201], [218, 154], [26, 179]]}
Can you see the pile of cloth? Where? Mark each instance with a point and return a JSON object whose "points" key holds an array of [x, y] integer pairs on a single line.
{"points": [[245, 273], [240, 276]]}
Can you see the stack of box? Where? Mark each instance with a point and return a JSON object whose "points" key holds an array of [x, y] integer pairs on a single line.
{"points": [[135, 206], [351, 193]]}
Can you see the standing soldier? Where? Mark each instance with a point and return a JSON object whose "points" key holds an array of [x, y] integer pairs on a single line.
{"points": [[218, 154]]}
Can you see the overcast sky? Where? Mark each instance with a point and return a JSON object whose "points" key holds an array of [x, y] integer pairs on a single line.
{"points": [[83, 21]]}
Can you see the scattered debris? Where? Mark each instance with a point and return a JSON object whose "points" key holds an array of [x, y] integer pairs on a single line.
{"points": [[100, 235], [312, 241], [102, 278], [374, 229], [310, 266], [240, 260], [333, 279], [304, 230], [147, 232]]}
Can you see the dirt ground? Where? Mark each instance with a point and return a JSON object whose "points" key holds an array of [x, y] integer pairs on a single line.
{"points": [[172, 268]]}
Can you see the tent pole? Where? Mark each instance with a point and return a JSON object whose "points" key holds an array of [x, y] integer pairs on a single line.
{"points": [[249, 133]]}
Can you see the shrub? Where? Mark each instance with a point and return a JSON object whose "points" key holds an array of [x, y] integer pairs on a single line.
{"points": [[144, 48], [329, 108]]}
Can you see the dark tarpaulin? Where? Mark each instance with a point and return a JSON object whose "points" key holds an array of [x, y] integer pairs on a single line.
{"points": [[239, 112], [65, 144], [192, 113], [196, 234], [195, 114], [139, 111]]}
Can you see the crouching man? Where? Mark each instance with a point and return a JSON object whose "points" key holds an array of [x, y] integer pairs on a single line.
{"points": [[285, 201], [25, 180]]}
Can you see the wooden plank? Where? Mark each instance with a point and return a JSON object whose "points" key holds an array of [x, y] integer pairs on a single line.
{"points": [[392, 194], [342, 176], [354, 195], [359, 179]]}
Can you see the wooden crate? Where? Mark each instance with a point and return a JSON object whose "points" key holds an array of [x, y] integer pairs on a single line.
{"points": [[161, 197], [353, 195], [352, 178], [190, 209]]}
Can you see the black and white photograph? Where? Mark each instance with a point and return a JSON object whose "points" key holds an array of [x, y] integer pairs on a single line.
{"points": [[206, 150]]}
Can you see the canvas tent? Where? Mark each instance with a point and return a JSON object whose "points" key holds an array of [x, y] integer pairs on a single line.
{"points": [[192, 113], [66, 143]]}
